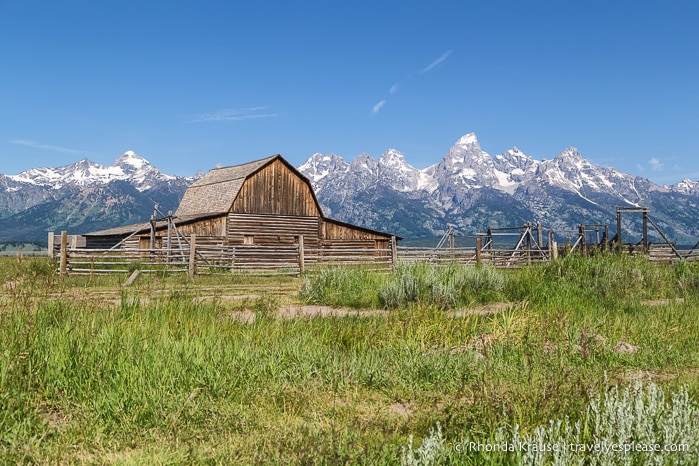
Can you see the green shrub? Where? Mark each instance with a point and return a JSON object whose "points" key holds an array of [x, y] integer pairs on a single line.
{"points": [[342, 287], [446, 287]]}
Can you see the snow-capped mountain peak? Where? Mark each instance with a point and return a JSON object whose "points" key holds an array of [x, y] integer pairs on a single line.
{"points": [[392, 158], [130, 161], [127, 167], [320, 165], [467, 140]]}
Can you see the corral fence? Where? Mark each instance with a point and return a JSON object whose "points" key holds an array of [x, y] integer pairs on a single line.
{"points": [[198, 259], [508, 247]]}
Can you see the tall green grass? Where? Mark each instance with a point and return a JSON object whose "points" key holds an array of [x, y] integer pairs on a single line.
{"points": [[158, 375]]}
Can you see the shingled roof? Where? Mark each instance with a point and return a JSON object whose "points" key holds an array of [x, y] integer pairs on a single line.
{"points": [[216, 191]]}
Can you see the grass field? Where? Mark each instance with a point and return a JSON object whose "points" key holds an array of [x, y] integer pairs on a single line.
{"points": [[433, 363]]}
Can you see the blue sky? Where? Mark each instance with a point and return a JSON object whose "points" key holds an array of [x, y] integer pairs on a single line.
{"points": [[189, 85]]}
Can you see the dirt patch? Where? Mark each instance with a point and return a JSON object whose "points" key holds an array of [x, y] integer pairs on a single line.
{"points": [[661, 302], [625, 348], [400, 409]]}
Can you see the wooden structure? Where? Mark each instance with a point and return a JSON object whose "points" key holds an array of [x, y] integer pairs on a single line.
{"points": [[266, 203], [661, 251]]}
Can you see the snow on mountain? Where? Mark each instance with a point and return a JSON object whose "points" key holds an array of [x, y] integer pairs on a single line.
{"points": [[399, 175], [320, 166], [128, 167], [685, 186]]}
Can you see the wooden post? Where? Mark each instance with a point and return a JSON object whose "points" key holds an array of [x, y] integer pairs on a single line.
{"points": [[528, 241], [302, 258], [479, 245], [152, 235], [51, 243], [554, 249], [169, 235], [63, 265], [132, 278], [551, 244], [394, 253], [192, 271], [74, 241], [645, 231], [619, 244], [540, 235]]}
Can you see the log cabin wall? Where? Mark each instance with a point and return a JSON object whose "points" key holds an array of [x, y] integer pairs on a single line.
{"points": [[272, 229], [275, 189]]}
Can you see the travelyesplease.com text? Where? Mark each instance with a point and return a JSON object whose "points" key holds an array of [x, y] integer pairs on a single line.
{"points": [[509, 447]]}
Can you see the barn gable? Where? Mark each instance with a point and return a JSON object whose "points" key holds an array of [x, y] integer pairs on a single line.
{"points": [[266, 186]]}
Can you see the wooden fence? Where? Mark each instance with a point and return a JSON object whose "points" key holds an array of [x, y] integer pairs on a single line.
{"points": [[191, 258]]}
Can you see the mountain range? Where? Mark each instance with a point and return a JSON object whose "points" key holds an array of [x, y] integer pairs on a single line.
{"points": [[468, 190]]}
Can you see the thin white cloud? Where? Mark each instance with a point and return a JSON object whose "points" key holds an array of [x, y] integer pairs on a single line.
{"points": [[394, 88], [39, 145], [375, 109], [232, 114], [439, 60], [656, 165]]}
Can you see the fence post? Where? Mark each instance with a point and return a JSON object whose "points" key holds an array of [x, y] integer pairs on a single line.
{"points": [[63, 265], [619, 244], [394, 253], [302, 259], [554, 249], [51, 241], [192, 255], [479, 245]]}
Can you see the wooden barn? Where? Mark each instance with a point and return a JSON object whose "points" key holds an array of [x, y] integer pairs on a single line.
{"points": [[267, 202]]}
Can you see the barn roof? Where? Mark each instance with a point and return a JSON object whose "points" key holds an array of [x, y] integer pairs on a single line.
{"points": [[216, 191], [159, 224]]}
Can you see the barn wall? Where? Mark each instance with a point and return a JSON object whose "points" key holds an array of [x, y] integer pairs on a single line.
{"points": [[215, 227], [272, 229], [276, 189], [341, 236], [338, 231]]}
